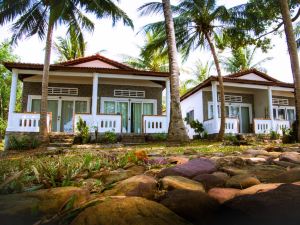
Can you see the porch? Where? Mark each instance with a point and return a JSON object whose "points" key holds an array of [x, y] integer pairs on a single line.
{"points": [[117, 108]]}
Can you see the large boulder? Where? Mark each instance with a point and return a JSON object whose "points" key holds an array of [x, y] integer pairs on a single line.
{"points": [[195, 206], [141, 186], [293, 157], [223, 194], [242, 181], [190, 169], [27, 208], [178, 182], [255, 152], [210, 181], [275, 207], [128, 211]]}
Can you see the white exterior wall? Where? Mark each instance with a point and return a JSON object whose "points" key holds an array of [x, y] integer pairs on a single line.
{"points": [[193, 102]]}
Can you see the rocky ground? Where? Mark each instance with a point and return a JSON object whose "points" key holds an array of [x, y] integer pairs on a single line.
{"points": [[252, 185]]}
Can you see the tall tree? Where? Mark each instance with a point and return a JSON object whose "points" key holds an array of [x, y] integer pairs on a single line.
{"points": [[71, 47], [156, 60], [40, 17], [177, 132], [242, 58], [292, 47], [196, 24]]}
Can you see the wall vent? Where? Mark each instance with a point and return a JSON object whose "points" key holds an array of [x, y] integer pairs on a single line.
{"points": [[280, 101], [129, 93], [232, 98], [62, 91]]}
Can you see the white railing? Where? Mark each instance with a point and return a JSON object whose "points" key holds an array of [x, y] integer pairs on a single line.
{"points": [[155, 124], [265, 126], [103, 122], [27, 122], [231, 126]]}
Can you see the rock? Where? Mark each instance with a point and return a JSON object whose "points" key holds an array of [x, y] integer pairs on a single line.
{"points": [[284, 163], [265, 173], [229, 161], [190, 169], [135, 170], [258, 188], [274, 149], [152, 172], [178, 160], [141, 186], [256, 152], [256, 160], [109, 177], [275, 207], [129, 210], [27, 208], [242, 181], [92, 185], [234, 171], [189, 151], [293, 157], [157, 161], [178, 182], [287, 177], [223, 194], [209, 181], [274, 154], [221, 175], [195, 206]]}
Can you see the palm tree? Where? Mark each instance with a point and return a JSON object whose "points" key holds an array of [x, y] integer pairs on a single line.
{"points": [[176, 132], [71, 47], [196, 24], [41, 17], [292, 47], [156, 60], [242, 58], [200, 73]]}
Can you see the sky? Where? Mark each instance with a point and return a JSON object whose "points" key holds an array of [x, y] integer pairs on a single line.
{"points": [[119, 41]]}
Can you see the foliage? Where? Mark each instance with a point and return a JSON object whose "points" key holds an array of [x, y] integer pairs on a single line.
{"points": [[160, 136], [197, 126], [156, 60], [274, 135], [289, 135], [108, 137], [231, 139], [6, 55], [84, 131], [23, 143], [242, 59], [71, 47]]}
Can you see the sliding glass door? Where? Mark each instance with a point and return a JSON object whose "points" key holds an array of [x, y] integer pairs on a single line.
{"points": [[136, 118]]}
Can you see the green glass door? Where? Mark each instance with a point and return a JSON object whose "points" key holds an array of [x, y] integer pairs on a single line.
{"points": [[122, 109], [66, 123], [136, 118], [245, 120], [53, 108]]}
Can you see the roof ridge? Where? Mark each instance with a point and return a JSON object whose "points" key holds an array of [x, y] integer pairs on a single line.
{"points": [[252, 70]]}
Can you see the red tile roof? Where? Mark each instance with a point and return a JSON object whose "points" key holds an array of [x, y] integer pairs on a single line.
{"points": [[235, 78]]}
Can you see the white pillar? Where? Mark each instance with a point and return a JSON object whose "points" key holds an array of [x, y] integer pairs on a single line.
{"points": [[214, 91], [95, 95], [168, 102], [13, 97], [270, 101]]}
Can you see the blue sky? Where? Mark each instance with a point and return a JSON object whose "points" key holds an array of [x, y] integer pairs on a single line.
{"points": [[121, 40]]}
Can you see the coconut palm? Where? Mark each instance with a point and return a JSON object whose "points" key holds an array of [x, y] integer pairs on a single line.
{"points": [[242, 58], [176, 132], [196, 24], [40, 17], [71, 47], [292, 47], [156, 60]]}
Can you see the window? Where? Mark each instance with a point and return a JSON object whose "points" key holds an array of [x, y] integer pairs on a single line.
{"points": [[129, 93], [80, 107], [36, 105], [190, 116], [148, 109], [109, 107], [62, 91]]}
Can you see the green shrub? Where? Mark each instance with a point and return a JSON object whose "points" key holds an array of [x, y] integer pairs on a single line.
{"points": [[3, 125], [289, 135], [231, 139], [84, 131], [108, 138], [274, 135], [159, 137], [23, 143], [198, 128]]}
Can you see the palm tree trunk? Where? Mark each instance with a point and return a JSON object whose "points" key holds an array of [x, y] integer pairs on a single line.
{"points": [[177, 133], [44, 101], [221, 86], [292, 47]]}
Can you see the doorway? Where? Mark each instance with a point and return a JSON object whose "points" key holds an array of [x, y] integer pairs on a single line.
{"points": [[62, 109]]}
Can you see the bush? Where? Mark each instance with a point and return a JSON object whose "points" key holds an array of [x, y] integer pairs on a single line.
{"points": [[84, 131], [3, 125], [274, 135], [159, 137], [289, 135], [231, 139], [198, 128], [108, 138], [23, 143]]}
